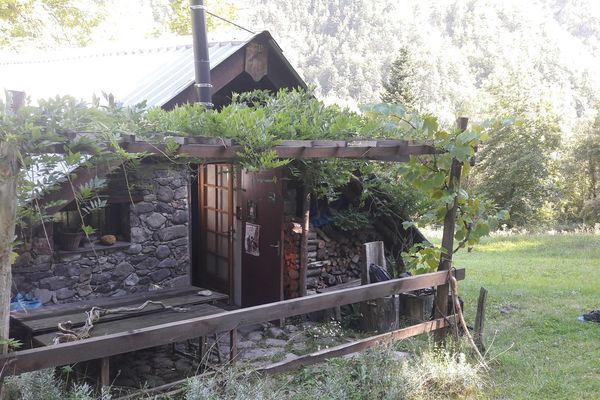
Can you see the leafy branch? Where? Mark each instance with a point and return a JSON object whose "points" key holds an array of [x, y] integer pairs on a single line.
{"points": [[63, 131]]}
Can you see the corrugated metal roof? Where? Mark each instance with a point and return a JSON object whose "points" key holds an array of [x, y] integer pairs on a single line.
{"points": [[152, 73]]}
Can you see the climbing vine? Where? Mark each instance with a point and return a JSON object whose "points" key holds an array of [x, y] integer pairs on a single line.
{"points": [[61, 134]]}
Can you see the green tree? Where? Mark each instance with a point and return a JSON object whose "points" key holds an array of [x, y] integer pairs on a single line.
{"points": [[398, 85], [588, 153], [516, 167], [176, 15], [60, 21], [581, 172]]}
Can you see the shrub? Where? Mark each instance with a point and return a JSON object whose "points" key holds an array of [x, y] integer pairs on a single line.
{"points": [[44, 385], [375, 374], [232, 384], [441, 373]]}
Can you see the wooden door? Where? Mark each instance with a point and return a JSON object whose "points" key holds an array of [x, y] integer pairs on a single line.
{"points": [[262, 207], [215, 188]]}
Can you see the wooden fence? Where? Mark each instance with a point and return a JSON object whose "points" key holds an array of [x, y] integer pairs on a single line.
{"points": [[102, 347]]}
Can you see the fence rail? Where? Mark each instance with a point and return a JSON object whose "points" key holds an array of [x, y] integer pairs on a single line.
{"points": [[138, 339]]}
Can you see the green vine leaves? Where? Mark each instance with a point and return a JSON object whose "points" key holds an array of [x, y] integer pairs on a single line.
{"points": [[64, 132], [55, 140], [475, 217]]}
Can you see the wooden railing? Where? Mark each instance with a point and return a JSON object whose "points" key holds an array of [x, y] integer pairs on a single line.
{"points": [[102, 347]]}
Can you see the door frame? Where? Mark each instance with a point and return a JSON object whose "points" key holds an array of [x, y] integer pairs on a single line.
{"points": [[200, 239]]}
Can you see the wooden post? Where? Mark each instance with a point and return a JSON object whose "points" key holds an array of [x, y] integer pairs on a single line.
{"points": [[201, 348], [442, 291], [372, 253], [15, 100], [233, 345], [304, 241], [9, 170], [480, 319], [105, 371]]}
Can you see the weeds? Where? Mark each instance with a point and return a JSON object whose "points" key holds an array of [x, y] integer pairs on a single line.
{"points": [[44, 385], [327, 329], [436, 373], [375, 374], [232, 384], [442, 373], [324, 335]]}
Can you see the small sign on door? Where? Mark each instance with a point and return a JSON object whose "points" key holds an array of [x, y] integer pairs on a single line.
{"points": [[252, 239]]}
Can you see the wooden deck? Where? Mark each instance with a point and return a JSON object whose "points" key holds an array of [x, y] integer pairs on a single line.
{"points": [[191, 327], [41, 324]]}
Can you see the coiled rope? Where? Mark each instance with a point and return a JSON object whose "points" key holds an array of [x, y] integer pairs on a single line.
{"points": [[66, 332]]}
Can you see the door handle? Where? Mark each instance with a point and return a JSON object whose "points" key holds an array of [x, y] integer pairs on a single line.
{"points": [[276, 246]]}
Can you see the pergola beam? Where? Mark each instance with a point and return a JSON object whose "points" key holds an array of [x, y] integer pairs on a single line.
{"points": [[217, 149]]}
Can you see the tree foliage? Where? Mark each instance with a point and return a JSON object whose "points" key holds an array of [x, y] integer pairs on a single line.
{"points": [[457, 48], [176, 14], [516, 168], [398, 86], [587, 151], [43, 21], [581, 175]]}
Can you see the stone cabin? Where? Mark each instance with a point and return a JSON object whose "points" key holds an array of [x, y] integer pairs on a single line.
{"points": [[213, 225]]}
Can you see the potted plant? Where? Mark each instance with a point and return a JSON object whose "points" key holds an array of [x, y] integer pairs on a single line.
{"points": [[87, 201]]}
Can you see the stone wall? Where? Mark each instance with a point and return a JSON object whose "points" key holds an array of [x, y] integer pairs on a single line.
{"points": [[156, 256]]}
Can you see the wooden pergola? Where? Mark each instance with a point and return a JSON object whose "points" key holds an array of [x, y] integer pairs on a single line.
{"points": [[213, 150]]}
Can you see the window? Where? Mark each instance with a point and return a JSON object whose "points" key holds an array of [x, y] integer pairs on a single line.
{"points": [[110, 220]]}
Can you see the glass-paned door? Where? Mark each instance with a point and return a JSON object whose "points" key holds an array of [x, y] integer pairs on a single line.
{"points": [[216, 226]]}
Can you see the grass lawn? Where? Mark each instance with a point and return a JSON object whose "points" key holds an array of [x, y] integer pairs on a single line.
{"points": [[538, 286]]}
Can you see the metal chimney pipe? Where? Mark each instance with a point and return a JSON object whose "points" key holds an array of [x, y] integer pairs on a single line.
{"points": [[201, 56]]}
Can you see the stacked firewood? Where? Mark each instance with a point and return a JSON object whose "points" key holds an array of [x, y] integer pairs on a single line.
{"points": [[291, 254], [333, 260], [333, 257]]}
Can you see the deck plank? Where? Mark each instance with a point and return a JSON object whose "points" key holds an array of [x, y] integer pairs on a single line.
{"points": [[67, 308], [138, 322], [188, 328], [77, 316]]}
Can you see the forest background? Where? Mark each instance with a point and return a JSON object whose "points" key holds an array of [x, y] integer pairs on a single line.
{"points": [[533, 64]]}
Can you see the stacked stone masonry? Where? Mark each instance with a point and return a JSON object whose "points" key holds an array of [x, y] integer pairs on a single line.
{"points": [[156, 256]]}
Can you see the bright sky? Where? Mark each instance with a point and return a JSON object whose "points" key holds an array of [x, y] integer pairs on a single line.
{"points": [[113, 63], [129, 21]]}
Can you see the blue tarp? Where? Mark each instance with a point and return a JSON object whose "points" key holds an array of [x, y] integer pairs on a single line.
{"points": [[22, 302]]}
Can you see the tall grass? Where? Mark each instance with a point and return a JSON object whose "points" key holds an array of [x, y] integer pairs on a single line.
{"points": [[436, 373], [538, 285], [375, 374], [44, 385]]}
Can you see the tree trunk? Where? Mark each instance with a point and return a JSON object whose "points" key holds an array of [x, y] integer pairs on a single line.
{"points": [[8, 208], [304, 241], [593, 182]]}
